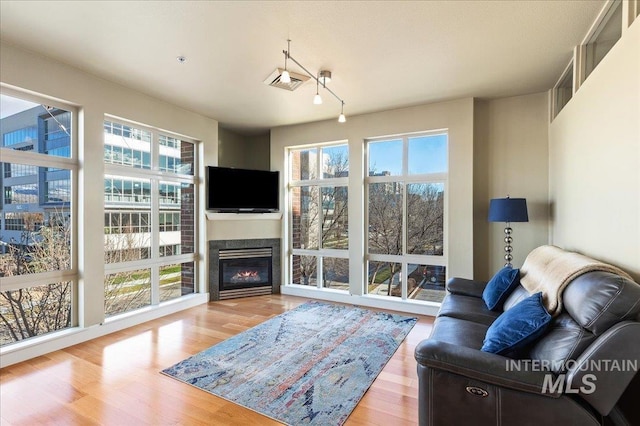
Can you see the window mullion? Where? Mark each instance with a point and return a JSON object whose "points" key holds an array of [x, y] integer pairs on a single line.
{"points": [[155, 218]]}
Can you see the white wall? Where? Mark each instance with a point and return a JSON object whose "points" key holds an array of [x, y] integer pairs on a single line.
{"points": [[243, 151], [595, 161], [95, 97], [455, 116], [510, 158]]}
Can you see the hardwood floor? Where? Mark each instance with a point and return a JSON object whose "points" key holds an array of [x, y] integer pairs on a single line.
{"points": [[116, 380]]}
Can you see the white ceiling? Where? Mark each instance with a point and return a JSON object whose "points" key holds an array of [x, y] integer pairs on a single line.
{"points": [[383, 54]]}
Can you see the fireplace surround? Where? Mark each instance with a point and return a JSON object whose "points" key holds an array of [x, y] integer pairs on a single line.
{"points": [[242, 268]]}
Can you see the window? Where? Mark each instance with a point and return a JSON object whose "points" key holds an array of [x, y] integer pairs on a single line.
{"points": [[319, 219], [607, 33], [149, 196], [563, 91], [37, 234], [406, 203]]}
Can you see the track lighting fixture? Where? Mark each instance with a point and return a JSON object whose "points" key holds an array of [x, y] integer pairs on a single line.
{"points": [[317, 99], [322, 78]]}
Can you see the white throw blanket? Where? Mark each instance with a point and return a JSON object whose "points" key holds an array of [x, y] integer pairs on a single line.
{"points": [[549, 269]]}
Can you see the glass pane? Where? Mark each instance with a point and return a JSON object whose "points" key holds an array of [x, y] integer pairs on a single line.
{"points": [[35, 233], [176, 156], [305, 212], [426, 282], [428, 154], [30, 188], [176, 280], [127, 233], [335, 273], [564, 90], [335, 214], [384, 279], [28, 126], [176, 220], [385, 218], [607, 35], [127, 145], [57, 187], [304, 270], [304, 164], [425, 218], [127, 291], [34, 311], [385, 158], [335, 161]]}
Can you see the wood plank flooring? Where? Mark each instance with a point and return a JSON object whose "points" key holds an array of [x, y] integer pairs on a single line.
{"points": [[116, 380]]}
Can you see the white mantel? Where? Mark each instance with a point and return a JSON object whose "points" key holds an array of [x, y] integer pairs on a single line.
{"points": [[244, 216]]}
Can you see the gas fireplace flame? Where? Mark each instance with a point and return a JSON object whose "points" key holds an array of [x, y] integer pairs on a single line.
{"points": [[246, 276]]}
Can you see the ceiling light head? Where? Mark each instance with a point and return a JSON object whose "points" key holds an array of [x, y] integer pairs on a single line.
{"points": [[285, 77], [325, 77], [317, 99], [341, 117]]}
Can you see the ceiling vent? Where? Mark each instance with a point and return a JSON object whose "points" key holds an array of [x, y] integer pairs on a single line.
{"points": [[297, 80]]}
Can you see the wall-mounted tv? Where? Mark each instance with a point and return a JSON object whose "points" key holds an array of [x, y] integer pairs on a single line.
{"points": [[242, 190]]}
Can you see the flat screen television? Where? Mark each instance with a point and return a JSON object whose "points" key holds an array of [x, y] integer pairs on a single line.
{"points": [[242, 190]]}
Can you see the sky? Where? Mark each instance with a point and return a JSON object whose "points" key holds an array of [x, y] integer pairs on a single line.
{"points": [[10, 105], [427, 154]]}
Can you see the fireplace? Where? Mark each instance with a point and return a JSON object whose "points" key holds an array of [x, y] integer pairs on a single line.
{"points": [[245, 268], [240, 268]]}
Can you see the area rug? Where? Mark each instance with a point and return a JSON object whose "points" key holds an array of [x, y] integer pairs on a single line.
{"points": [[308, 366]]}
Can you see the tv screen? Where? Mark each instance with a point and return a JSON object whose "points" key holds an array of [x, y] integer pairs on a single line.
{"points": [[242, 190]]}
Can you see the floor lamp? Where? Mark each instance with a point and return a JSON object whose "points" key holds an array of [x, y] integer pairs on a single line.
{"points": [[508, 210]]}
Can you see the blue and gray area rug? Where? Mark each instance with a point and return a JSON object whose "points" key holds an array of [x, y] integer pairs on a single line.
{"points": [[310, 365]]}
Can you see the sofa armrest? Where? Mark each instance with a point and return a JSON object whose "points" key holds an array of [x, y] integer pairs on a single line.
{"points": [[487, 367], [608, 366], [466, 287]]}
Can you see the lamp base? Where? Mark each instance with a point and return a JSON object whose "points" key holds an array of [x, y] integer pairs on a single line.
{"points": [[507, 248]]}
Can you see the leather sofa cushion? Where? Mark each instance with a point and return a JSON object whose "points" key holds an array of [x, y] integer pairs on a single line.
{"points": [[467, 308], [564, 340], [459, 332], [517, 295], [466, 287], [598, 300]]}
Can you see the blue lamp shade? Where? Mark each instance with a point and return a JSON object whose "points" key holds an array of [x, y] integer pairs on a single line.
{"points": [[508, 210]]}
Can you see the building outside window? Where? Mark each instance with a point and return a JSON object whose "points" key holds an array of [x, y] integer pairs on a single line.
{"points": [[405, 210], [37, 226], [149, 196]]}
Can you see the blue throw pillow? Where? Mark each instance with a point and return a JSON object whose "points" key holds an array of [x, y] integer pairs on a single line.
{"points": [[516, 328], [500, 287]]}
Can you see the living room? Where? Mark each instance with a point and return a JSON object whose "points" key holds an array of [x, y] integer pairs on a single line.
{"points": [[578, 170]]}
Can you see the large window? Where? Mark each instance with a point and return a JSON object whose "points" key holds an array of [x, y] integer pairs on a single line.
{"points": [[149, 196], [37, 232], [319, 223], [406, 206]]}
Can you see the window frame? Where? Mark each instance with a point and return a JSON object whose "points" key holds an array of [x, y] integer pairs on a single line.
{"points": [[157, 177], [71, 163], [405, 178], [318, 182]]}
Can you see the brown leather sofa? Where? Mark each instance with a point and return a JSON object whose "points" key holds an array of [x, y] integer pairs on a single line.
{"points": [[575, 374]]}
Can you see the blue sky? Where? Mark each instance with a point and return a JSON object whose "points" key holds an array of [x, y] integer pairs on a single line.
{"points": [[427, 154]]}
